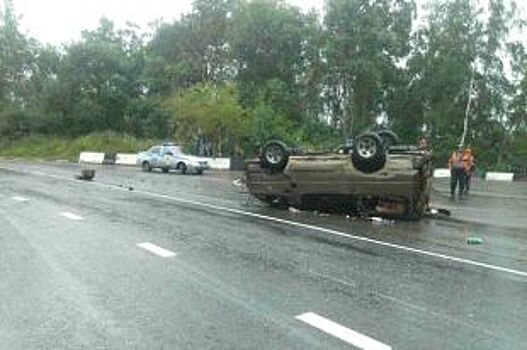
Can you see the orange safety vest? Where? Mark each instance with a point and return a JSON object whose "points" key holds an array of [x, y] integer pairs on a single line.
{"points": [[462, 160]]}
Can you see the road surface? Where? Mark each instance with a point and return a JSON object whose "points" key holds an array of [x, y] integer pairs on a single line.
{"points": [[139, 260]]}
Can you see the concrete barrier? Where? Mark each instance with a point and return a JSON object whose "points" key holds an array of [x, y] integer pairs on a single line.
{"points": [[126, 159], [439, 173], [219, 163], [91, 157], [497, 176]]}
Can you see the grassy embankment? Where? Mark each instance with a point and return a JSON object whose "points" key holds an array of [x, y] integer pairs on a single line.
{"points": [[52, 148]]}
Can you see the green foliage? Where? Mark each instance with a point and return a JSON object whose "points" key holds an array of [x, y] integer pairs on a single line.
{"points": [[46, 147], [210, 112], [234, 73]]}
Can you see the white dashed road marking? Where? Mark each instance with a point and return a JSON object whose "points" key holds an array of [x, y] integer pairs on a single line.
{"points": [[345, 334], [20, 199], [152, 248], [71, 216], [294, 224]]}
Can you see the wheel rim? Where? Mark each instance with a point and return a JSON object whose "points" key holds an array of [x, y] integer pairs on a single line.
{"points": [[274, 154], [367, 147]]}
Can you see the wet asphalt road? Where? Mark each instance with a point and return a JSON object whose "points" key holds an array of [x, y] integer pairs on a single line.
{"points": [[74, 277]]}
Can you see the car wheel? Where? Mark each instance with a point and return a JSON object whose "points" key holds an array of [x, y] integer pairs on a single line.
{"points": [[199, 172], [368, 153], [165, 170], [388, 137], [146, 166], [182, 167], [274, 155]]}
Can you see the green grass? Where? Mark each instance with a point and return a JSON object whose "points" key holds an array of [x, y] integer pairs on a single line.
{"points": [[45, 147]]}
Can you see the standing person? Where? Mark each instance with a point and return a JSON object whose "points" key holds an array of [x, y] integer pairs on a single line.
{"points": [[468, 158], [457, 172]]}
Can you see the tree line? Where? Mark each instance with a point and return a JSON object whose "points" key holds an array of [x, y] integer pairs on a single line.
{"points": [[233, 73]]}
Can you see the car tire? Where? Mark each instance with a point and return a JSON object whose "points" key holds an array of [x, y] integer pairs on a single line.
{"points": [[165, 170], [199, 172], [388, 137], [275, 155], [182, 167], [368, 154], [146, 167]]}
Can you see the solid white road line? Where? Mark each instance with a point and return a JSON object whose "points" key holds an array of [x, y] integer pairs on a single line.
{"points": [[20, 199], [292, 223], [345, 334], [152, 248], [71, 216]]}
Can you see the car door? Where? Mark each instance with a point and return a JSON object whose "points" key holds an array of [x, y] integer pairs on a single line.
{"points": [[155, 156], [166, 158]]}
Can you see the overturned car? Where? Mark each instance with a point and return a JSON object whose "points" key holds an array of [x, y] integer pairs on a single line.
{"points": [[374, 175]]}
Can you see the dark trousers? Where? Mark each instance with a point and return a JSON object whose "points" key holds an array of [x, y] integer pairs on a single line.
{"points": [[468, 177], [457, 178]]}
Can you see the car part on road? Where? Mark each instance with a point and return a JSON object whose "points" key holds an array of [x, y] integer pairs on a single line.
{"points": [[274, 155], [369, 154], [86, 175]]}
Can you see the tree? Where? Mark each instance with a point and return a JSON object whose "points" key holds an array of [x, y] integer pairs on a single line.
{"points": [[267, 38], [366, 41], [209, 112]]}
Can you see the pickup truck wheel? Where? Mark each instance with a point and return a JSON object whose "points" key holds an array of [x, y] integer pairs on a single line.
{"points": [[388, 137], [182, 167], [274, 155], [146, 166], [368, 153]]}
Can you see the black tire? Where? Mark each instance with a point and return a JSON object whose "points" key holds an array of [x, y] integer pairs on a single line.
{"points": [[182, 167], [146, 167], [165, 170], [368, 153], [199, 172], [275, 155], [388, 137]]}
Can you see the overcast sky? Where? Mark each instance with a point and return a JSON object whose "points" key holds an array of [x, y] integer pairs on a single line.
{"points": [[60, 21]]}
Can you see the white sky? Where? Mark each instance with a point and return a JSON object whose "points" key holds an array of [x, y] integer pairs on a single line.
{"points": [[61, 21]]}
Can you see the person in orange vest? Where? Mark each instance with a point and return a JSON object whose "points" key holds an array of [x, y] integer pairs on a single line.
{"points": [[471, 165], [458, 169]]}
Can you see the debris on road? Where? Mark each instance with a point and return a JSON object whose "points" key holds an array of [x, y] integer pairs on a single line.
{"points": [[380, 221], [436, 211], [86, 175], [474, 240], [294, 210]]}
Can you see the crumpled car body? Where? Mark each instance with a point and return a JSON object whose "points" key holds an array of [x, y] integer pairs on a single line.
{"points": [[400, 188]]}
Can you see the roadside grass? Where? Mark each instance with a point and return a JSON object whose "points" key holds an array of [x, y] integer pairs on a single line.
{"points": [[53, 148]]}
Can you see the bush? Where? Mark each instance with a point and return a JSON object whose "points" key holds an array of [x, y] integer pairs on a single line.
{"points": [[46, 147]]}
